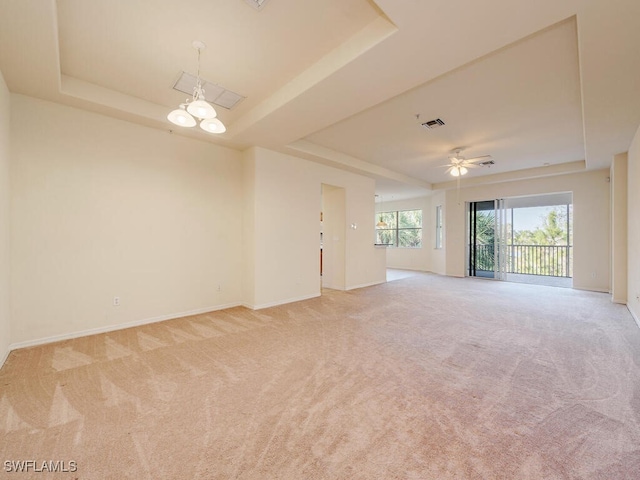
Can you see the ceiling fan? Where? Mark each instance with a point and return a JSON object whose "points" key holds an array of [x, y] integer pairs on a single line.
{"points": [[459, 165]]}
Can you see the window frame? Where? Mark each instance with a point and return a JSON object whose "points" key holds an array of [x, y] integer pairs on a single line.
{"points": [[396, 229], [439, 227]]}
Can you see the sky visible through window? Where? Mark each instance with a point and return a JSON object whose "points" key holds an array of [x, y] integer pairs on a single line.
{"points": [[530, 217]]}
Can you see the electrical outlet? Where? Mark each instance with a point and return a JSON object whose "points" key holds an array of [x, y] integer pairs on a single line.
{"points": [[116, 301]]}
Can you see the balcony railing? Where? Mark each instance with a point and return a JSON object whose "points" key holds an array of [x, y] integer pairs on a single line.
{"points": [[548, 260]]}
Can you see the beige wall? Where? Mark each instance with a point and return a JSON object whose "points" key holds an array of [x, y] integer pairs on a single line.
{"points": [[248, 227], [287, 207], [633, 215], [365, 264], [334, 234], [5, 330], [591, 219], [412, 258], [619, 234], [172, 226], [439, 255], [104, 208]]}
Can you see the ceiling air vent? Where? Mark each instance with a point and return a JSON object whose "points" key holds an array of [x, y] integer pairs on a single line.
{"points": [[431, 124], [212, 93], [488, 163], [257, 4]]}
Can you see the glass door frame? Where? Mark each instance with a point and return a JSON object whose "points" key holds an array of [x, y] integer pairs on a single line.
{"points": [[499, 238]]}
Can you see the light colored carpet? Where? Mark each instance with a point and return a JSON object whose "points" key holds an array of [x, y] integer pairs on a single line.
{"points": [[422, 378]]}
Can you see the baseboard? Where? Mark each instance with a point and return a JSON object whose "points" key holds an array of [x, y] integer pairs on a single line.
{"points": [[371, 284], [281, 302], [408, 269], [635, 317], [4, 356], [121, 326], [596, 290]]}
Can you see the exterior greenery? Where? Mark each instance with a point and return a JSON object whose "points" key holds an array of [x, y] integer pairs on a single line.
{"points": [[403, 229], [553, 230], [545, 250], [485, 240]]}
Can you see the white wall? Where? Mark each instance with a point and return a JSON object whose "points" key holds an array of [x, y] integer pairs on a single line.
{"points": [[591, 222], [633, 226], [5, 200], [412, 258], [104, 208], [286, 208]]}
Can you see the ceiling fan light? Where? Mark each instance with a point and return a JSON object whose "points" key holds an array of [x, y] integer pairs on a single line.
{"points": [[463, 170], [201, 109], [213, 125], [455, 171], [181, 117]]}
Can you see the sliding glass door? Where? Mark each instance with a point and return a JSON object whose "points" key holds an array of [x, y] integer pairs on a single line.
{"points": [[487, 231], [526, 239]]}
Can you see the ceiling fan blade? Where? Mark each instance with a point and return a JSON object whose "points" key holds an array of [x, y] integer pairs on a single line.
{"points": [[476, 159]]}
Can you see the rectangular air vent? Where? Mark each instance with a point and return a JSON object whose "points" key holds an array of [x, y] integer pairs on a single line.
{"points": [[257, 4], [213, 93], [488, 163], [431, 124]]}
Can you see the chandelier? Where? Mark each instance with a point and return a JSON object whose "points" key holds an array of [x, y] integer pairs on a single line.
{"points": [[197, 108]]}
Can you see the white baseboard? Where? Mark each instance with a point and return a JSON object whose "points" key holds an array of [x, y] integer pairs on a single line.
{"points": [[635, 317], [409, 269], [281, 302], [596, 290], [121, 326], [371, 284], [4, 356]]}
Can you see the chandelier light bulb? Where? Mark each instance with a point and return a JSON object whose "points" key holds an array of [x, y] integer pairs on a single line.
{"points": [[181, 117], [201, 108], [459, 170], [213, 125]]}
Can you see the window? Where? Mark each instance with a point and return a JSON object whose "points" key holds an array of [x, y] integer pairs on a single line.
{"points": [[439, 226], [403, 228]]}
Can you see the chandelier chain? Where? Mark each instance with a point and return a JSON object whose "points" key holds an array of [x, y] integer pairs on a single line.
{"points": [[197, 90]]}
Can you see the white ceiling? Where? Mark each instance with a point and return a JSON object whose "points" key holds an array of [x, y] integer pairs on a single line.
{"points": [[343, 82]]}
